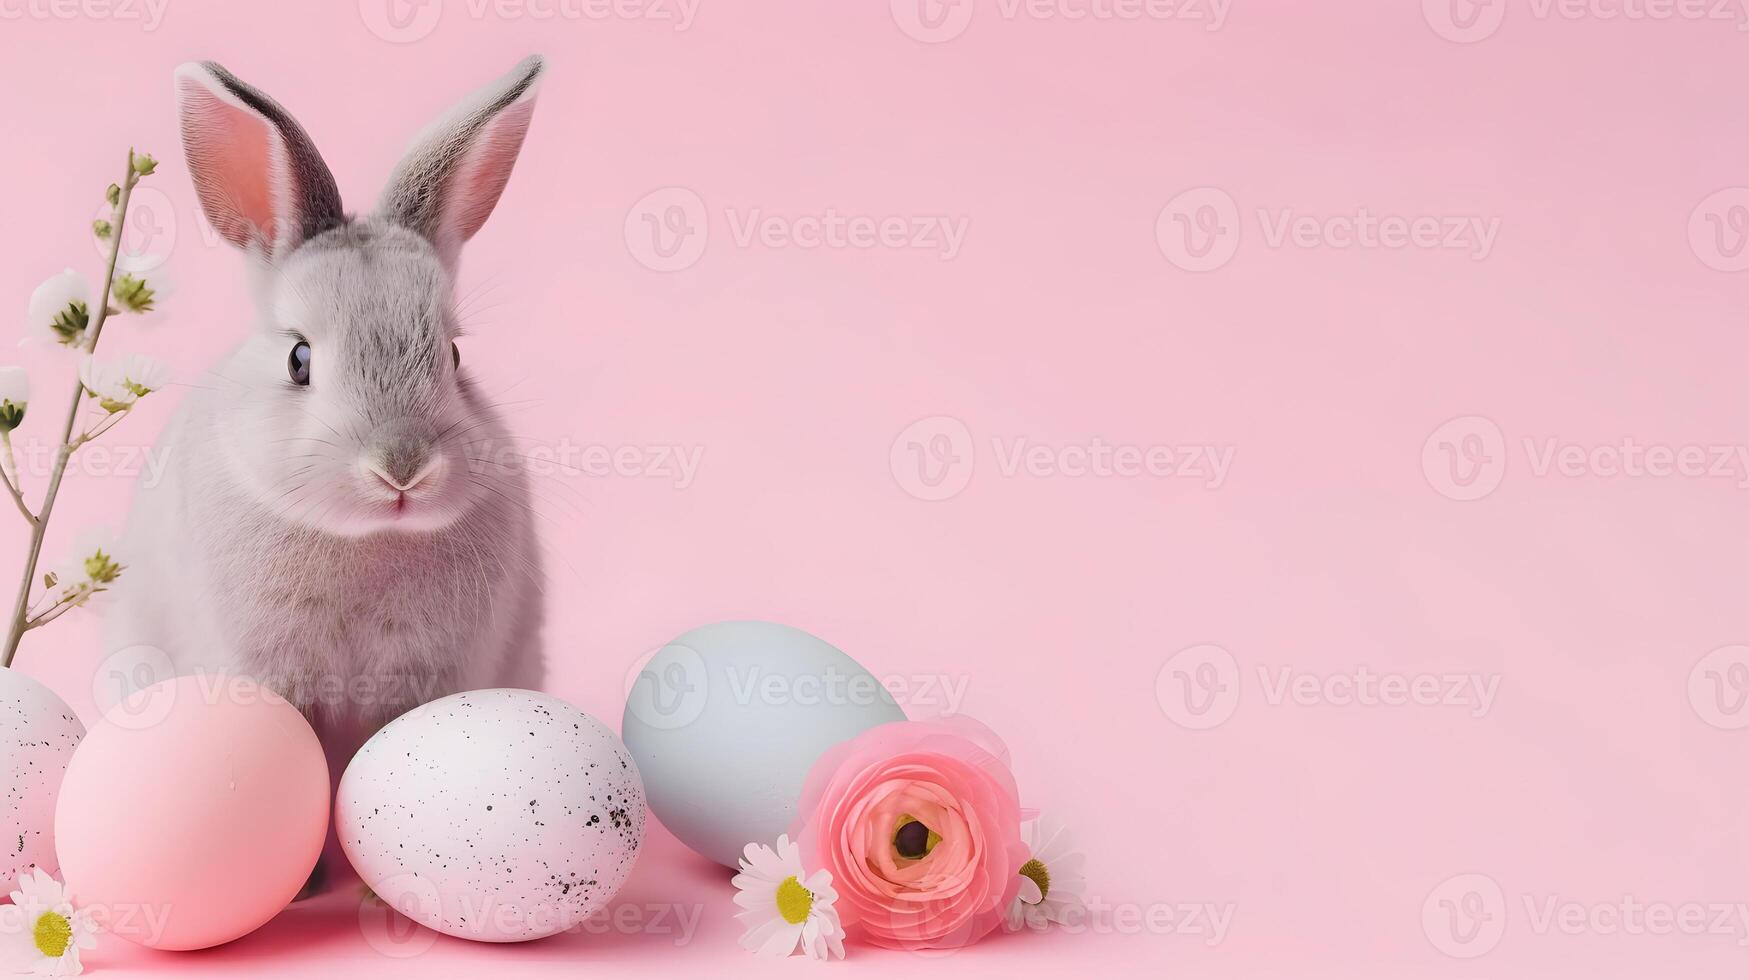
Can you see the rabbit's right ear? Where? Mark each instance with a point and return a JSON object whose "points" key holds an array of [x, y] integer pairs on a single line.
{"points": [[260, 180], [450, 180]]}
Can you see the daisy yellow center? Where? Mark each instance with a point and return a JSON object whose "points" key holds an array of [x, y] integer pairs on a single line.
{"points": [[52, 935], [1035, 869], [793, 901]]}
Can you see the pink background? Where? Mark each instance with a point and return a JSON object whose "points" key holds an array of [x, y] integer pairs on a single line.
{"points": [[1606, 769]]}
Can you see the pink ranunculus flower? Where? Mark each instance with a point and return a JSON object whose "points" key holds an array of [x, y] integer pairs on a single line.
{"points": [[943, 884]]}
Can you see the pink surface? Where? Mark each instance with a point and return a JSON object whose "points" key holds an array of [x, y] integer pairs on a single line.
{"points": [[1392, 694]]}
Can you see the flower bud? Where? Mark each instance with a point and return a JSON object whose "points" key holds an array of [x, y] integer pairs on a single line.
{"points": [[14, 393]]}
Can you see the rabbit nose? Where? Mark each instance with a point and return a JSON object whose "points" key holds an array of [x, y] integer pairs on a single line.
{"points": [[404, 477], [403, 464]]}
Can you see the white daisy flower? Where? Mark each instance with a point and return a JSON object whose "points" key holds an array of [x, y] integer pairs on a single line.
{"points": [[89, 568], [1053, 882], [60, 310], [14, 394], [782, 906], [41, 932], [119, 383]]}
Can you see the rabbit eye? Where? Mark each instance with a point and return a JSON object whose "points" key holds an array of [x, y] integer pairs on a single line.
{"points": [[298, 364], [455, 354]]}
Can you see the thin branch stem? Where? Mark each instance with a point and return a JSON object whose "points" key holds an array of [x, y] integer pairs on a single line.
{"points": [[9, 472], [104, 425], [42, 605], [53, 613], [20, 609]]}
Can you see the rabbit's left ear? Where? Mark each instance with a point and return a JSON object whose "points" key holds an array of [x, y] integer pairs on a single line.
{"points": [[260, 180], [451, 178]]}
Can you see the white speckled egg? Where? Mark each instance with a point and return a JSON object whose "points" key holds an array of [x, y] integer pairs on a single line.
{"points": [[38, 733], [499, 815], [726, 720]]}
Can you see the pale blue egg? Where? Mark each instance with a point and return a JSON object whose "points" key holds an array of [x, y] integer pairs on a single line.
{"points": [[725, 721]]}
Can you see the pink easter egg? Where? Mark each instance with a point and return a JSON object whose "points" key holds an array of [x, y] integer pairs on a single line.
{"points": [[193, 812]]}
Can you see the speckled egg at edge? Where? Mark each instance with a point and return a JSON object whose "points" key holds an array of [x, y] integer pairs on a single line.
{"points": [[38, 733], [499, 815], [726, 720]]}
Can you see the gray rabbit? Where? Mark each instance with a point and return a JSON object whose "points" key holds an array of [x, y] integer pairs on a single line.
{"points": [[343, 515]]}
